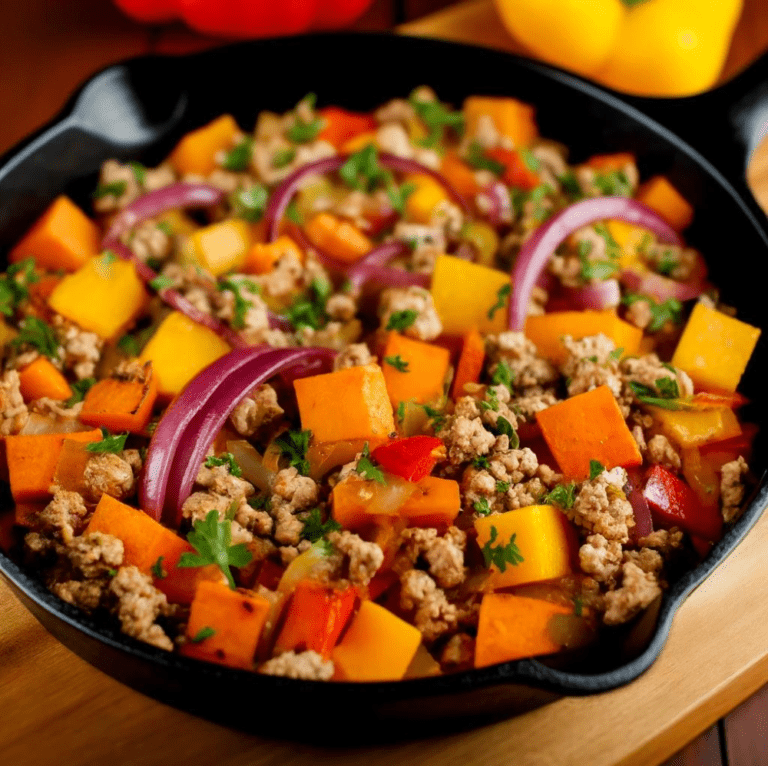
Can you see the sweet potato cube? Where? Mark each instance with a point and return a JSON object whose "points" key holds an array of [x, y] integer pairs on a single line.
{"points": [[546, 331], [693, 428], [588, 427], [512, 627], [103, 296], [512, 118], [714, 349], [436, 503], [340, 238], [423, 200], [470, 364], [262, 256], [40, 378], [225, 625], [544, 538], [179, 350], [346, 404], [62, 238], [629, 238], [32, 461], [484, 307], [424, 368], [197, 150], [220, 247], [378, 646], [144, 539], [659, 194]]}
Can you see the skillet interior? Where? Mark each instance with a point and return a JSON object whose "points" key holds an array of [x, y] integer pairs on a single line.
{"points": [[139, 110]]}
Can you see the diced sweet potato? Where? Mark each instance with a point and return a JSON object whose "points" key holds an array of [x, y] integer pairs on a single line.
{"points": [[197, 150], [40, 378], [659, 194]]}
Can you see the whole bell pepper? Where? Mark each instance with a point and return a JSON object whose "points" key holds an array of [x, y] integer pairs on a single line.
{"points": [[644, 47], [248, 18]]}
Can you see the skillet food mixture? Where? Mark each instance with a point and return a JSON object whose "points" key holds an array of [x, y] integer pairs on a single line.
{"points": [[369, 396]]}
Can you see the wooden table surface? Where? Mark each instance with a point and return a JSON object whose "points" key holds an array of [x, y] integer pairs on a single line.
{"points": [[57, 709]]}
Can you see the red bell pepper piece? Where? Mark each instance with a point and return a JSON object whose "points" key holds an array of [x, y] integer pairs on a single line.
{"points": [[707, 400], [411, 458], [516, 172], [342, 125], [674, 503]]}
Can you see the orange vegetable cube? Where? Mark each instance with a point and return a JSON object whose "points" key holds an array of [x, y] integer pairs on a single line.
{"points": [[340, 239], [358, 142], [544, 538], [414, 370], [196, 152], [715, 348], [225, 625], [629, 238], [461, 175], [220, 247], [262, 256], [436, 503], [588, 427], [512, 118], [62, 238], [40, 378], [470, 363], [659, 194], [421, 202], [378, 646], [604, 163], [512, 627], [546, 331], [346, 404], [693, 428]]}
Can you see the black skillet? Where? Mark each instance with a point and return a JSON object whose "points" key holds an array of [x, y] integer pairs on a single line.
{"points": [[139, 109]]}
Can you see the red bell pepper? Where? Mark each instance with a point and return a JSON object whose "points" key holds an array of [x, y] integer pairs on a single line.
{"points": [[674, 503], [340, 125], [516, 172], [411, 458], [246, 18]]}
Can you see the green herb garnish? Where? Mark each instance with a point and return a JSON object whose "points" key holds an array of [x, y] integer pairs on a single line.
{"points": [[366, 467], [315, 528], [308, 310], [294, 445], [670, 310], [157, 569], [402, 320], [239, 157], [436, 118], [481, 506], [477, 158], [79, 389], [250, 204], [283, 157], [563, 495], [595, 469], [14, 285], [114, 443], [36, 333], [614, 183], [227, 459], [503, 375], [115, 189], [503, 426], [301, 132], [202, 634], [241, 304], [501, 555], [397, 362], [502, 487], [502, 296], [139, 172], [161, 282]]}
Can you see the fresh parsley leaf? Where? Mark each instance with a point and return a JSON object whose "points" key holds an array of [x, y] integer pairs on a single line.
{"points": [[362, 170], [315, 528], [481, 506], [670, 310], [139, 172], [480, 462], [501, 555], [398, 195], [477, 158], [202, 634], [668, 388], [647, 395], [614, 183], [109, 443], [260, 502], [530, 159], [503, 375], [250, 204], [241, 304], [131, 345], [14, 285], [239, 157], [294, 445], [491, 402], [436, 118], [563, 495], [161, 282], [599, 270], [212, 539], [397, 362], [612, 248], [302, 132], [402, 320], [570, 185], [401, 412], [157, 569], [503, 426], [227, 459], [366, 468], [578, 606], [436, 417], [283, 157], [79, 389], [616, 353], [308, 310], [36, 333], [115, 189], [501, 300], [108, 258], [502, 486], [595, 469], [667, 263], [293, 214], [166, 228]]}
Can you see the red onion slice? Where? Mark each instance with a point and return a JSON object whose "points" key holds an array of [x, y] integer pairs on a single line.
{"points": [[660, 287], [597, 297], [173, 197], [495, 203], [536, 252], [634, 491], [227, 390]]}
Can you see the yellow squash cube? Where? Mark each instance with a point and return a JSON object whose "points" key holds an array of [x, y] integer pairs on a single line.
{"points": [[220, 247], [696, 427], [179, 350], [103, 296], [544, 540], [468, 296], [629, 238], [422, 202], [197, 150], [714, 349]]}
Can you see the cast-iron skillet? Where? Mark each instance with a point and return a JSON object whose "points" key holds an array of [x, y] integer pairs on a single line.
{"points": [[139, 109]]}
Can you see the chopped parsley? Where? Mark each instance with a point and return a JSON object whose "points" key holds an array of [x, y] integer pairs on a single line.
{"points": [[157, 569], [283, 157], [227, 459], [570, 185], [529, 159], [597, 270], [14, 285], [401, 320], [398, 195], [397, 362], [260, 502], [612, 248], [436, 118], [480, 462], [109, 443], [241, 304], [670, 310], [301, 131], [401, 412], [436, 417], [477, 158], [115, 189], [503, 426], [502, 297], [665, 395], [667, 263], [491, 402], [595, 469], [293, 214], [239, 157], [161, 282], [668, 388], [501, 555], [503, 375], [308, 310], [139, 172], [578, 606], [362, 170], [563, 495], [315, 528], [250, 204], [131, 345], [79, 389], [502, 487], [294, 445], [367, 469], [212, 539], [481, 506], [616, 353], [614, 183], [204, 632], [36, 333]]}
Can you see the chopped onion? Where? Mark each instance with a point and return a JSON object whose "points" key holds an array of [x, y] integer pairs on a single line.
{"points": [[536, 252], [41, 424], [599, 296], [660, 287], [250, 462], [495, 203], [634, 492], [173, 197]]}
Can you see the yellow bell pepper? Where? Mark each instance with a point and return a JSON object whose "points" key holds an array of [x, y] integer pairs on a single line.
{"points": [[645, 47]]}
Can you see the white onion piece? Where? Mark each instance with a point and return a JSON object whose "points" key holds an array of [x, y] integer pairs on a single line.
{"points": [[249, 460]]}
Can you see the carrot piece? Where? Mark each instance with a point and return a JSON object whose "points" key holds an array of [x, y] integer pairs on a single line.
{"points": [[40, 378], [315, 618], [512, 118], [588, 427], [225, 625], [197, 150], [144, 539], [346, 404], [512, 627], [341, 125], [121, 405], [32, 462], [414, 370], [62, 238], [460, 175], [659, 194], [339, 238], [516, 172], [605, 163], [262, 257], [470, 363]]}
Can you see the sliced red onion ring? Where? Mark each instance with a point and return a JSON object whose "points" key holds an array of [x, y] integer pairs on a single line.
{"points": [[495, 203], [599, 296], [634, 491], [282, 195], [536, 252], [660, 287], [227, 390], [173, 197]]}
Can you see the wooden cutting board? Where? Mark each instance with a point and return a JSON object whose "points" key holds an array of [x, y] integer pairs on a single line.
{"points": [[58, 709]]}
